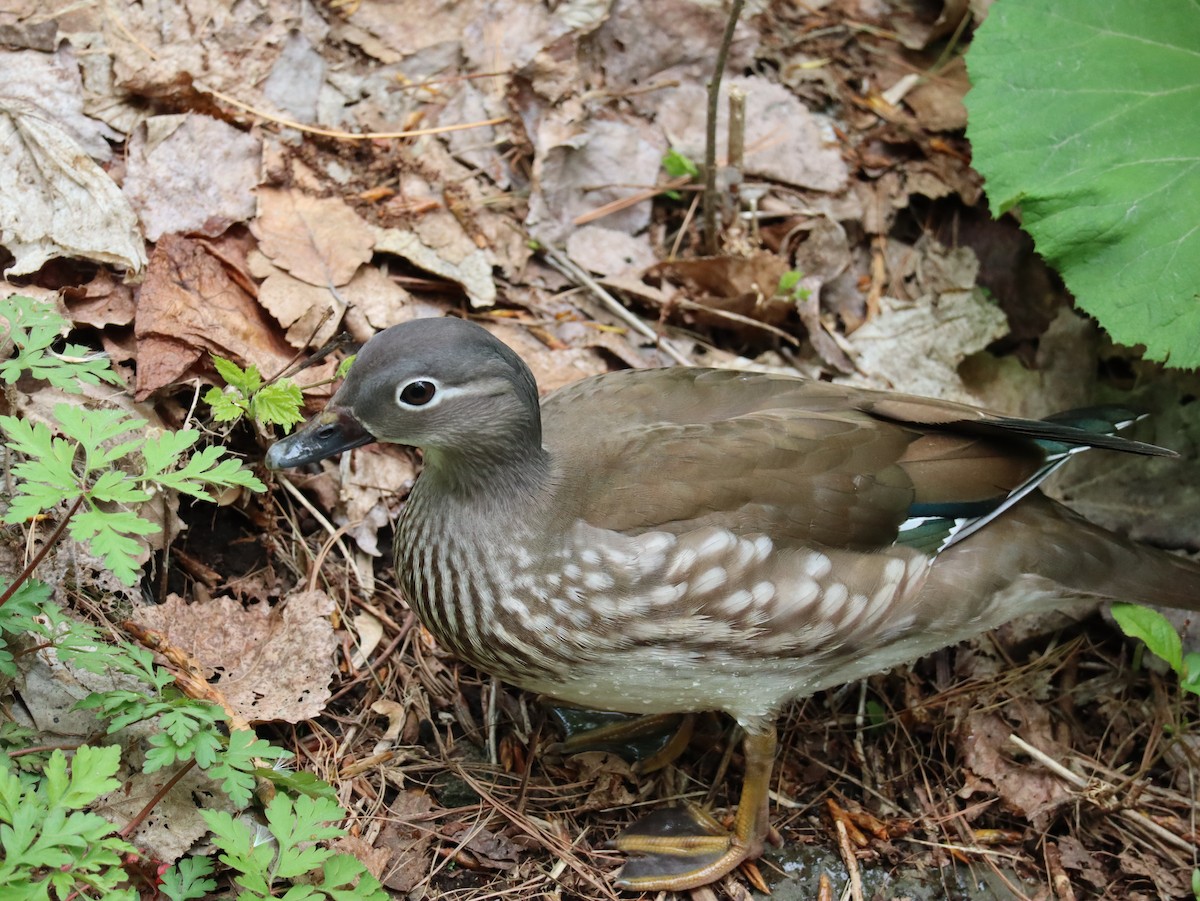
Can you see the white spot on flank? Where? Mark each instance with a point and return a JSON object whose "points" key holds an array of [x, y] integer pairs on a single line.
{"points": [[657, 542], [763, 547], [598, 581], [817, 565], [737, 602], [835, 597], [590, 556], [745, 553], [666, 594], [763, 593], [515, 607], [833, 607], [716, 543], [618, 558], [710, 580], [603, 606], [893, 573], [684, 562], [801, 593], [572, 572]]}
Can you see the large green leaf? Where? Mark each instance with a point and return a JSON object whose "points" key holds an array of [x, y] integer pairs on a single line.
{"points": [[1086, 113]]}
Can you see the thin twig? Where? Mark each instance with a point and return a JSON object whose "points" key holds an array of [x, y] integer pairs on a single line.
{"points": [[1090, 790], [347, 135], [27, 572], [334, 531], [573, 271], [710, 137]]}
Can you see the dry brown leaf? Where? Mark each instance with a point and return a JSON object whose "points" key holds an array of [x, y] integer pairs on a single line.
{"points": [[101, 302], [484, 849], [1076, 857], [582, 164], [373, 481], [270, 663], [296, 79], [609, 252], [191, 304], [409, 839], [938, 100], [609, 778], [370, 302], [667, 41], [368, 632], [312, 315], [746, 286], [376, 302], [551, 368], [784, 141], [396, 714], [441, 247], [52, 83], [174, 824], [916, 347], [1025, 787], [319, 240], [373, 858], [190, 173]]}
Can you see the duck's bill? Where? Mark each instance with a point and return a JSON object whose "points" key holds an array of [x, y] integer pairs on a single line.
{"points": [[331, 432]]}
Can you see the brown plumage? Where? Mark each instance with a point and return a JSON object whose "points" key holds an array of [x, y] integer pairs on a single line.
{"points": [[693, 539]]}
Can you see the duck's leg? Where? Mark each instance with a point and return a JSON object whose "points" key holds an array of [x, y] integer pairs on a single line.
{"points": [[652, 740], [683, 848]]}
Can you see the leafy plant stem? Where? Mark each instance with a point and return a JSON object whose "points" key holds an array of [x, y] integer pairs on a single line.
{"points": [[24, 575]]}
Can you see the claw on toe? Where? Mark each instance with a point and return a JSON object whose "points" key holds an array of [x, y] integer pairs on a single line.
{"points": [[684, 847], [678, 848]]}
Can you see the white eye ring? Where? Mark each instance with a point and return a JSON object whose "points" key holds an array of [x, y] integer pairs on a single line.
{"points": [[418, 393]]}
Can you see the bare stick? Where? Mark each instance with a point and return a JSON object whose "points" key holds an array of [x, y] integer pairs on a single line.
{"points": [[710, 139]]}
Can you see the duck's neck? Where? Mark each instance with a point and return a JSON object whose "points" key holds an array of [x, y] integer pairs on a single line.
{"points": [[487, 479]]}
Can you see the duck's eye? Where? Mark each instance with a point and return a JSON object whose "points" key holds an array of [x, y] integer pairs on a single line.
{"points": [[418, 393]]}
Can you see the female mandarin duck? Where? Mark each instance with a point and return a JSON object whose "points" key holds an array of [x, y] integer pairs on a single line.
{"points": [[696, 539]]}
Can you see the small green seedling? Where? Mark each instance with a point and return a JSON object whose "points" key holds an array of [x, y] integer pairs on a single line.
{"points": [[1160, 637], [678, 165], [277, 403], [789, 286]]}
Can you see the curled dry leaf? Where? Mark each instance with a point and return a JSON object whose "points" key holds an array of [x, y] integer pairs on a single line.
{"points": [[55, 201], [370, 302], [444, 251], [369, 633], [101, 302], [917, 347], [396, 714]]}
